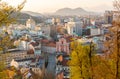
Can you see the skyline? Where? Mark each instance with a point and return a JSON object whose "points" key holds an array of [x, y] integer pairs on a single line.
{"points": [[50, 6]]}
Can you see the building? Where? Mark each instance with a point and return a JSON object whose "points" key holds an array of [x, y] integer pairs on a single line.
{"points": [[28, 72], [37, 48], [48, 46], [111, 16], [92, 30], [30, 23], [85, 32], [116, 15], [62, 57], [17, 55], [62, 68], [95, 31], [70, 27], [74, 28], [46, 30], [108, 17], [78, 28], [53, 31], [63, 46]]}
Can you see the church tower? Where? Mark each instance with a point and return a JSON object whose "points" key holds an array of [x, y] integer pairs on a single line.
{"points": [[30, 23]]}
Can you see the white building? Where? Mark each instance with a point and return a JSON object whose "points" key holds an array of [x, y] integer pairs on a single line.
{"points": [[95, 31], [74, 28], [70, 26], [38, 33], [30, 23], [49, 21]]}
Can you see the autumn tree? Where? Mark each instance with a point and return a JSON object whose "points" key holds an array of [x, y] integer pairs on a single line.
{"points": [[111, 59], [6, 17], [5, 43], [81, 61], [7, 11], [107, 66], [113, 40], [9, 73], [103, 67], [116, 41]]}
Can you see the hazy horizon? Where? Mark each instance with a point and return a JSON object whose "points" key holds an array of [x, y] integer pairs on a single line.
{"points": [[50, 6]]}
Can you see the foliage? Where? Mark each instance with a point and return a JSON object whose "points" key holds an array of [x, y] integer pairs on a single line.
{"points": [[2, 66], [6, 18], [103, 68], [3, 58], [7, 11], [5, 43], [80, 61], [113, 41], [8, 73]]}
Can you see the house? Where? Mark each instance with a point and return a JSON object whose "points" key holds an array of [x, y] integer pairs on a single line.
{"points": [[62, 46], [18, 55], [62, 68], [48, 46]]}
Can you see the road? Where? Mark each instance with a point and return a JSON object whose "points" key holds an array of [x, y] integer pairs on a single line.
{"points": [[51, 63]]}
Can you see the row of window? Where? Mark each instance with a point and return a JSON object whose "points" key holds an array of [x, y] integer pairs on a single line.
{"points": [[59, 68]]}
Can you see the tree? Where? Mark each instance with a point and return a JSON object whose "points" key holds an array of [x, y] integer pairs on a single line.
{"points": [[7, 12], [113, 41], [8, 73], [116, 41], [5, 43], [103, 68], [80, 63], [6, 18]]}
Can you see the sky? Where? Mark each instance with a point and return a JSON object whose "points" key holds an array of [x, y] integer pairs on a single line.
{"points": [[49, 6]]}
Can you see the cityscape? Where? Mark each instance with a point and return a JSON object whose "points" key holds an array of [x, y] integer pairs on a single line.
{"points": [[59, 39]]}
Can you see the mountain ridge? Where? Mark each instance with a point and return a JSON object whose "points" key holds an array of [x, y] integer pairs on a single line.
{"points": [[75, 11], [64, 12], [35, 14]]}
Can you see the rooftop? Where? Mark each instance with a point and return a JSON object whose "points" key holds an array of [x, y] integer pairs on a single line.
{"points": [[49, 43]]}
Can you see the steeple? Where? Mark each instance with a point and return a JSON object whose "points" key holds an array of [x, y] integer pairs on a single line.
{"points": [[30, 23]]}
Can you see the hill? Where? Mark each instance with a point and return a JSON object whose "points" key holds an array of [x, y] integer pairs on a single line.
{"points": [[71, 12]]}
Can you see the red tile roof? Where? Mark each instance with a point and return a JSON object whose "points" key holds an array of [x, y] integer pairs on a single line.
{"points": [[34, 43], [31, 51], [65, 62], [49, 43]]}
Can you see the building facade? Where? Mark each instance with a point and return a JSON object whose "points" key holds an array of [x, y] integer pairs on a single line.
{"points": [[74, 28], [62, 46], [30, 23]]}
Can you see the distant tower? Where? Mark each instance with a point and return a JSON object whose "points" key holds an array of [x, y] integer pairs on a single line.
{"points": [[30, 23], [71, 20], [56, 21], [108, 17], [53, 20]]}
